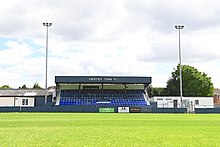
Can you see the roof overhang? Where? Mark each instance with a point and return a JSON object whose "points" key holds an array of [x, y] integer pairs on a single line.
{"points": [[102, 80]]}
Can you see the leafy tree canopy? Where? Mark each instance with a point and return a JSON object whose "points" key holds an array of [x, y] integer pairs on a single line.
{"points": [[5, 87], [23, 87], [195, 83], [36, 86]]}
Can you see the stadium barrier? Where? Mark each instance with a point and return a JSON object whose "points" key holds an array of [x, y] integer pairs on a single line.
{"points": [[9, 109], [93, 109], [146, 110], [169, 110], [207, 110]]}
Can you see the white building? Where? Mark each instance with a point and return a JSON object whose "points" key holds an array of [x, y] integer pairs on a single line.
{"points": [[14, 98], [192, 102], [22, 98]]}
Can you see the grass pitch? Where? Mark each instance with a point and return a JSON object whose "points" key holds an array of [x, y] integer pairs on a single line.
{"points": [[95, 129]]}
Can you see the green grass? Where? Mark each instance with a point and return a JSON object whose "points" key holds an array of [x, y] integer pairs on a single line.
{"points": [[83, 129]]}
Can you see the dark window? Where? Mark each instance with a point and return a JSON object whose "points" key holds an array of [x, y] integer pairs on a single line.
{"points": [[197, 102], [175, 103], [24, 101]]}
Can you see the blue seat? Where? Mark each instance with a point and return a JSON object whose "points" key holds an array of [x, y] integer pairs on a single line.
{"points": [[90, 97]]}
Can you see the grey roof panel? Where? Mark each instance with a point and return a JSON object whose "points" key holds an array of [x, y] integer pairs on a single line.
{"points": [[21, 92]]}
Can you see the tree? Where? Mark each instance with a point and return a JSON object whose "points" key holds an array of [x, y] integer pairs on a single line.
{"points": [[195, 83], [158, 91], [36, 86], [150, 91], [5, 87], [23, 87]]}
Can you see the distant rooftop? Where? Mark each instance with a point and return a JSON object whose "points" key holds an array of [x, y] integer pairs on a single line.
{"points": [[24, 92], [217, 91]]}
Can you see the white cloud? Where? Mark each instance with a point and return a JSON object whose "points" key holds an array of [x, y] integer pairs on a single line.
{"points": [[125, 37], [162, 15], [18, 64]]}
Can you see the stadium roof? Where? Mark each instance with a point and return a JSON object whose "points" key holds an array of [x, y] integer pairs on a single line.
{"points": [[102, 80]]}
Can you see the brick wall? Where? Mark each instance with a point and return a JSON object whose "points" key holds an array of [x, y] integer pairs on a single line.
{"points": [[217, 99]]}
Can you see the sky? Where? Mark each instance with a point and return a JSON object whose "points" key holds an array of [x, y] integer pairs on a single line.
{"points": [[107, 38]]}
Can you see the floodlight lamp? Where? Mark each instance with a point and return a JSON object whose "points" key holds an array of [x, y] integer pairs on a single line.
{"points": [[179, 26], [47, 24]]}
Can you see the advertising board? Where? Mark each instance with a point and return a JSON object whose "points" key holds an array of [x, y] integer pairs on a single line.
{"points": [[106, 110], [135, 109], [123, 109]]}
